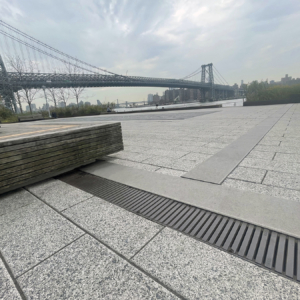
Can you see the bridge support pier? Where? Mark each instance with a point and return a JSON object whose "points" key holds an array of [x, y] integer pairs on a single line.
{"points": [[6, 90]]}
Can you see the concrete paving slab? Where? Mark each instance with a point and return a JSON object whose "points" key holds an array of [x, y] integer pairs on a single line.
{"points": [[167, 153], [206, 150], [217, 145], [12, 201], [170, 172], [286, 166], [187, 148], [198, 157], [198, 271], [133, 164], [122, 230], [285, 180], [8, 290], [219, 166], [137, 157], [274, 191], [31, 234], [283, 157], [279, 149], [160, 161], [267, 211], [270, 142], [58, 194], [88, 270], [184, 164], [261, 155], [248, 174]]}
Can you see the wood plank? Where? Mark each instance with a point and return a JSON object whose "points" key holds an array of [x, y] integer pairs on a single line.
{"points": [[44, 144], [57, 164], [28, 155], [37, 161], [61, 132]]}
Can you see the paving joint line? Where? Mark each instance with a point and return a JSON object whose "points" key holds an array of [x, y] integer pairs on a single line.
{"points": [[77, 202], [148, 242], [18, 287], [263, 184], [17, 277], [264, 177], [175, 293]]}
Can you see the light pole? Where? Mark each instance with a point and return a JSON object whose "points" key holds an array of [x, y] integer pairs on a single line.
{"points": [[46, 100]]}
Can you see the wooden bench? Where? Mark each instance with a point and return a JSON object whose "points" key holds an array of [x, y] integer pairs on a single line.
{"points": [[31, 118], [28, 159]]}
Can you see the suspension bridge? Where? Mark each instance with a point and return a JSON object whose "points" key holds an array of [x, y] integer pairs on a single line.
{"points": [[29, 64]]}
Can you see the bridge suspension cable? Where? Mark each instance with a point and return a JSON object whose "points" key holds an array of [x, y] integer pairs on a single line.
{"points": [[226, 83], [192, 74], [28, 41]]}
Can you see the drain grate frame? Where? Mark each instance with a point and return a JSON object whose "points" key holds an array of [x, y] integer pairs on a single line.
{"points": [[272, 250]]}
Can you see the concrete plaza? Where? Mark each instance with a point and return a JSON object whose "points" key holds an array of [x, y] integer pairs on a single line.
{"points": [[59, 242]]}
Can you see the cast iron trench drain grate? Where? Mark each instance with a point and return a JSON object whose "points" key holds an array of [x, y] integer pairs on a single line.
{"points": [[269, 249]]}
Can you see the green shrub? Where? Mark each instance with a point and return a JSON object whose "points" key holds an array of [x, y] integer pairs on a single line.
{"points": [[7, 115], [84, 110], [262, 91]]}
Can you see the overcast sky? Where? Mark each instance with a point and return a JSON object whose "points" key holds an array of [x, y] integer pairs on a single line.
{"points": [[250, 39]]}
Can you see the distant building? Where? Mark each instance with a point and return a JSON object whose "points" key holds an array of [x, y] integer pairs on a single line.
{"points": [[45, 106], [156, 99], [98, 102], [150, 98], [61, 104], [87, 103], [286, 79], [27, 108], [33, 107], [80, 103], [72, 104]]}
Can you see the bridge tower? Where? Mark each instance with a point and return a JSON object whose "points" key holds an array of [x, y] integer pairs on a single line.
{"points": [[5, 88], [207, 76]]}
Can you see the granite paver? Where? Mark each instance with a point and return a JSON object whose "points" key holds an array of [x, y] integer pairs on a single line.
{"points": [[88, 270], [248, 174], [14, 200], [198, 271], [263, 189], [8, 291], [31, 233], [58, 194], [120, 229], [285, 180]]}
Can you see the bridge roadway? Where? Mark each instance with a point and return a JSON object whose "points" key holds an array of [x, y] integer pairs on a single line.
{"points": [[38, 80]]}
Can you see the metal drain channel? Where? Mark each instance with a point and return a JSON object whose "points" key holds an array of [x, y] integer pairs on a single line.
{"points": [[275, 251]]}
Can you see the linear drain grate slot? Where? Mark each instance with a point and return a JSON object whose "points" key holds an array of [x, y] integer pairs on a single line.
{"points": [[269, 249]]}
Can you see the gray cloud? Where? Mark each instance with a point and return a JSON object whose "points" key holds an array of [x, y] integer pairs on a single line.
{"points": [[245, 39]]}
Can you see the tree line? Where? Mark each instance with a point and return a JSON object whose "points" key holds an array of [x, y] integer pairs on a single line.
{"points": [[263, 91], [54, 95]]}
